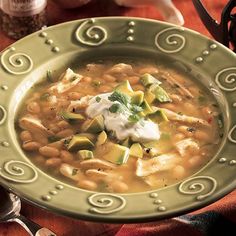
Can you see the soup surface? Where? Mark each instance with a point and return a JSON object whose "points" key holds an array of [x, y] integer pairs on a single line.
{"points": [[119, 126]]}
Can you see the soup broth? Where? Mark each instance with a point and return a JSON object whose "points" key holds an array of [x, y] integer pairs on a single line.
{"points": [[119, 126]]}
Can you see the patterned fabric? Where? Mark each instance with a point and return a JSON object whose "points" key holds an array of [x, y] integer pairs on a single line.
{"points": [[218, 219]]}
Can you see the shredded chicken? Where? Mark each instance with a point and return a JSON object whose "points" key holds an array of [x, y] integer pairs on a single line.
{"points": [[70, 172], [96, 164], [121, 68], [182, 90], [96, 174], [160, 163], [183, 145], [78, 104], [68, 81], [171, 115], [34, 124]]}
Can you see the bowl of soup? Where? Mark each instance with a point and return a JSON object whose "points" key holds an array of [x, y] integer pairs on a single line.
{"points": [[118, 119]]}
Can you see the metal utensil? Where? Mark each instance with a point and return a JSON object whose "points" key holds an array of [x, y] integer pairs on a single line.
{"points": [[10, 206]]}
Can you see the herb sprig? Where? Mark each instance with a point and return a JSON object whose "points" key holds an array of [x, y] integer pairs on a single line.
{"points": [[124, 103]]}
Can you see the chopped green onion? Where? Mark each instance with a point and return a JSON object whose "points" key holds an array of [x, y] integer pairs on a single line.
{"points": [[74, 171], [98, 99], [96, 83], [202, 99]]}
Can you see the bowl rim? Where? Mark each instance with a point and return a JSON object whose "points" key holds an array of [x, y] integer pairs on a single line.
{"points": [[124, 218]]}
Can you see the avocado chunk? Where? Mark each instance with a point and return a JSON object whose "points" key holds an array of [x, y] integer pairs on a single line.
{"points": [[125, 88], [102, 138], [126, 142], [71, 116], [137, 97], [96, 125], [158, 116], [118, 154], [85, 154], [146, 108], [79, 142], [147, 79], [136, 150], [149, 96], [160, 94]]}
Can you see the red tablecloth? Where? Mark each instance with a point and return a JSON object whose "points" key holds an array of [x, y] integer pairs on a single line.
{"points": [[213, 216]]}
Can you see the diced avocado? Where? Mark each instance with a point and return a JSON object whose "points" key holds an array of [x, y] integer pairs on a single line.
{"points": [[91, 137], [146, 108], [71, 116], [149, 96], [102, 138], [158, 116], [79, 143], [137, 97], [136, 150], [126, 142], [118, 154], [160, 94], [96, 125], [125, 88], [147, 79], [85, 154]]}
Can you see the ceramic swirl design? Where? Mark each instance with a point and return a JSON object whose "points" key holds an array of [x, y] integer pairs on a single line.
{"points": [[199, 184], [15, 170], [230, 135], [226, 79], [173, 42], [16, 63], [89, 34], [105, 203], [3, 115]]}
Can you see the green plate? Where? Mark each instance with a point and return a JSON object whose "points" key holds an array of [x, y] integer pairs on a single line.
{"points": [[25, 62]]}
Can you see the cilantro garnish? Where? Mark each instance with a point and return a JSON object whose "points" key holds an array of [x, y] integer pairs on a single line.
{"points": [[125, 104], [119, 97], [98, 99], [116, 107], [134, 118], [136, 109]]}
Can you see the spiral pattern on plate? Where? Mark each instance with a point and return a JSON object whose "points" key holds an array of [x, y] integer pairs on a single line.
{"points": [[16, 63], [169, 42], [14, 171], [89, 34], [3, 115], [197, 185], [230, 135], [226, 79], [106, 203]]}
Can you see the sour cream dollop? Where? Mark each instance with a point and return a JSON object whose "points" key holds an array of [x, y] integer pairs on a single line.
{"points": [[141, 131]]}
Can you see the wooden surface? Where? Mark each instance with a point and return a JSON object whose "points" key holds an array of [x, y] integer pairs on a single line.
{"points": [[62, 225]]}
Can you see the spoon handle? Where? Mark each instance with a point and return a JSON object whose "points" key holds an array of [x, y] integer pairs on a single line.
{"points": [[32, 228]]}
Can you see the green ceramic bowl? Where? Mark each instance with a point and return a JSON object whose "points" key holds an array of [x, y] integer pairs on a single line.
{"points": [[25, 62]]}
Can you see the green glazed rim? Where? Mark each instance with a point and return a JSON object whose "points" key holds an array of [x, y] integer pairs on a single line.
{"points": [[24, 63]]}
